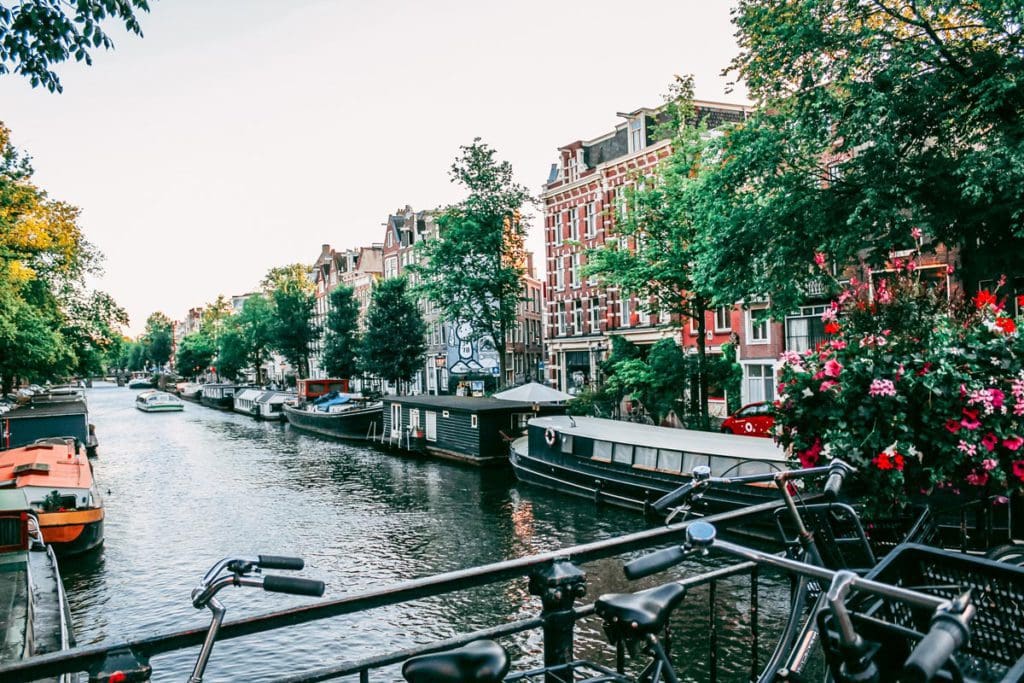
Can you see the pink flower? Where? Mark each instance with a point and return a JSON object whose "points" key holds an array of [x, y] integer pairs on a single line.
{"points": [[833, 368], [1018, 469], [989, 464], [838, 344], [819, 259], [989, 441], [911, 266], [977, 479], [953, 425], [968, 448], [827, 384], [970, 419], [1013, 442], [949, 269], [915, 233], [882, 387]]}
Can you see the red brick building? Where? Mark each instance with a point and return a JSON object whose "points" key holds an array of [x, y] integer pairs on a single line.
{"points": [[581, 203]]}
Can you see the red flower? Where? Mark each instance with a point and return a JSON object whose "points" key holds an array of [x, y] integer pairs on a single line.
{"points": [[1018, 469], [1020, 301], [1013, 442], [810, 457], [989, 441], [831, 327], [1006, 325], [984, 298], [898, 461], [970, 419], [924, 369], [884, 461], [953, 425]]}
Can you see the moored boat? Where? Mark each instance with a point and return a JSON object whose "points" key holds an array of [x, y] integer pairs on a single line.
{"points": [[152, 401], [141, 380], [348, 416], [34, 610], [46, 416], [189, 391], [270, 404], [218, 395], [632, 465], [245, 401], [58, 483]]}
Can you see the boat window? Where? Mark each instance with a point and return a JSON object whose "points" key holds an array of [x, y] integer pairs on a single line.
{"points": [[721, 464], [670, 460], [567, 443], [646, 457], [473, 421], [623, 453], [691, 460], [756, 467], [603, 450]]}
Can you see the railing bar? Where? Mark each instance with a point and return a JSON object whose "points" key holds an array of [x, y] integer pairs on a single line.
{"points": [[713, 626], [364, 676], [82, 658], [755, 613]]}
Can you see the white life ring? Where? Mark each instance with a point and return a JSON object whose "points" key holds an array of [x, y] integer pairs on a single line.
{"points": [[550, 436], [748, 426]]}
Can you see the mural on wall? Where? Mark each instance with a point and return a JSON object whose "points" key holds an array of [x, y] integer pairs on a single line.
{"points": [[468, 355]]}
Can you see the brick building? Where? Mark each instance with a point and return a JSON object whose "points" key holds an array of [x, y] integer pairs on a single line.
{"points": [[582, 199]]}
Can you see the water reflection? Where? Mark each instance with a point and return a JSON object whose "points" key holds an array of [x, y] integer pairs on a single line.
{"points": [[188, 488]]}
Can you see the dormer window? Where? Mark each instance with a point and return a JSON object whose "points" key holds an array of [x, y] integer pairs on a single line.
{"points": [[572, 167], [637, 134]]}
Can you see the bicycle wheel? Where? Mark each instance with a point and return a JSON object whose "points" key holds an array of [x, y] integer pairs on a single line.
{"points": [[1011, 553]]}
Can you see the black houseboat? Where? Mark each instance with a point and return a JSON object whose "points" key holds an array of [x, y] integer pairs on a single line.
{"points": [[346, 416], [46, 417], [632, 465], [474, 430], [218, 395]]}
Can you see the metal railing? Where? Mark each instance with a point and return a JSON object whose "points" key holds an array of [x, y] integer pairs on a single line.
{"points": [[553, 577]]}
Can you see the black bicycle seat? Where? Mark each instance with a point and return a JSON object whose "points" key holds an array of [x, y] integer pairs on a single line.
{"points": [[644, 611], [482, 661]]}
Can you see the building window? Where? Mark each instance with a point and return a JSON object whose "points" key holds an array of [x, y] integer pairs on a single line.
{"points": [[559, 274], [760, 382], [590, 219], [474, 421], [624, 311], [636, 134], [722, 316], [595, 319], [390, 266], [758, 328], [574, 224], [556, 223], [574, 270], [577, 318], [806, 329], [561, 318]]}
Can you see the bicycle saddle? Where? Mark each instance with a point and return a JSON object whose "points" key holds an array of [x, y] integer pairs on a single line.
{"points": [[641, 612], [482, 661]]}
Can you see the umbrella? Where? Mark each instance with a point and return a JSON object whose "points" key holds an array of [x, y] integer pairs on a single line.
{"points": [[533, 392]]}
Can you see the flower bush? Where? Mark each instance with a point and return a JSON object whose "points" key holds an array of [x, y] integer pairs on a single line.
{"points": [[919, 391]]}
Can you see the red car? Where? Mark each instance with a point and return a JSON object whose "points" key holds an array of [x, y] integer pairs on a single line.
{"points": [[754, 419]]}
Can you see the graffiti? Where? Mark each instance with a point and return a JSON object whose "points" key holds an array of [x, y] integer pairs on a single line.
{"points": [[469, 355]]}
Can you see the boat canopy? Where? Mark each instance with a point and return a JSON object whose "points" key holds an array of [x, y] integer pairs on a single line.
{"points": [[325, 403], [248, 395]]}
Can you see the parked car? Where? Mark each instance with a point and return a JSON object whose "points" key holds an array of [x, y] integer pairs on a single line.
{"points": [[753, 419]]}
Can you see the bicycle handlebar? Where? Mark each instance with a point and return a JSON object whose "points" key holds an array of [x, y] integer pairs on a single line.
{"points": [[281, 562], [948, 633], [293, 585], [675, 496], [836, 475], [654, 562]]}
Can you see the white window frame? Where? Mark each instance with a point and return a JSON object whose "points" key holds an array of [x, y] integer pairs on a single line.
{"points": [[624, 311], [595, 316], [556, 223], [590, 219], [635, 129], [474, 421], [727, 312], [574, 224], [574, 270], [751, 326], [766, 388]]}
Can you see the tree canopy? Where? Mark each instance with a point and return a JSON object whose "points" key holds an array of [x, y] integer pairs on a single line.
{"points": [[158, 338], [341, 346], [873, 119], [35, 35], [473, 269], [394, 341], [291, 292]]}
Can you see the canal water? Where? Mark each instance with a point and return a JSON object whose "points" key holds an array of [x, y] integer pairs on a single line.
{"points": [[183, 490]]}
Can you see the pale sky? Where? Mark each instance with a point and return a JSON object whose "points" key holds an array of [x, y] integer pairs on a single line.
{"points": [[239, 135]]}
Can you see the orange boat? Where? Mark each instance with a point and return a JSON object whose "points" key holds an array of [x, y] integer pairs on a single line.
{"points": [[57, 480]]}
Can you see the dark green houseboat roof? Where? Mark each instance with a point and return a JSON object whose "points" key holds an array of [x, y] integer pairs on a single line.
{"points": [[466, 403]]}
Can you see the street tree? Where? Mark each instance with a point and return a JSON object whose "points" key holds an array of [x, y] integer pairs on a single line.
{"points": [[473, 269], [92, 328], [233, 353], [195, 354], [650, 248], [256, 327], [874, 120], [36, 35], [394, 342], [214, 317], [291, 292], [341, 345], [158, 338]]}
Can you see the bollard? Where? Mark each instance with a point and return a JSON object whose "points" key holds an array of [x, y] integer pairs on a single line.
{"points": [[558, 584]]}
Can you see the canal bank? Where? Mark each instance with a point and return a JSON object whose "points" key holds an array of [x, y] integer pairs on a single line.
{"points": [[186, 489]]}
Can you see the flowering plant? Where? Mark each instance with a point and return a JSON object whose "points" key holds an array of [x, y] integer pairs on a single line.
{"points": [[918, 390]]}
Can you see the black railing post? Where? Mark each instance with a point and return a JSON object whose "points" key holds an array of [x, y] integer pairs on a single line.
{"points": [[558, 584]]}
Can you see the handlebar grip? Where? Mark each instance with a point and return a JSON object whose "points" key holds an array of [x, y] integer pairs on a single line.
{"points": [[672, 497], [281, 562], [943, 639], [293, 585], [833, 484], [654, 563]]}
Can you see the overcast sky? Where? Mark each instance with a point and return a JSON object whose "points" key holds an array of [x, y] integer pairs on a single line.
{"points": [[239, 135]]}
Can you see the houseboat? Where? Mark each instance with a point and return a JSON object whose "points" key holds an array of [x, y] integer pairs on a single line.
{"points": [[141, 380], [56, 478], [632, 465], [152, 401], [475, 430], [245, 401], [47, 416], [347, 416], [34, 611], [270, 404], [190, 391], [218, 395], [308, 390]]}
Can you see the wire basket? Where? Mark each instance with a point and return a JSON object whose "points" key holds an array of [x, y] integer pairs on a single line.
{"points": [[997, 631]]}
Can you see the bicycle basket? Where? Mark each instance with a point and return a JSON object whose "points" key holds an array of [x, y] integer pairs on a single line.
{"points": [[997, 630]]}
